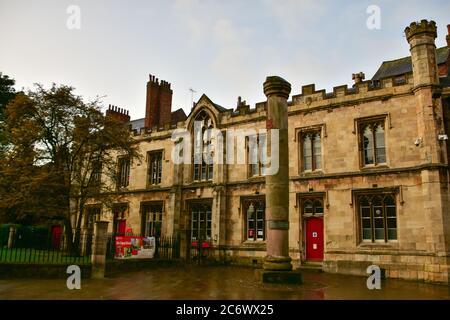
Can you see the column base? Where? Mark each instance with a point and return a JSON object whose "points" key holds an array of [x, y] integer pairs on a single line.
{"points": [[278, 277], [277, 263]]}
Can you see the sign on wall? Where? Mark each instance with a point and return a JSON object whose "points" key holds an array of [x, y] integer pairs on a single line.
{"points": [[131, 247]]}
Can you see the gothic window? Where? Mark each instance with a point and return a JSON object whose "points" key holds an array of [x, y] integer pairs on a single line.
{"points": [[154, 167], [123, 178], [311, 150], [312, 207], [96, 173], [203, 171], [255, 216], [378, 217], [152, 219], [373, 143], [201, 221], [92, 215], [256, 154]]}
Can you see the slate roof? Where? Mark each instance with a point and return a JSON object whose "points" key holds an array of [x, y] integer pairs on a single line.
{"points": [[137, 124], [401, 66]]}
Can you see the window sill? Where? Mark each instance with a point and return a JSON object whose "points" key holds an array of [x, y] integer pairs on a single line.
{"points": [[379, 245], [255, 243], [374, 167], [317, 172]]}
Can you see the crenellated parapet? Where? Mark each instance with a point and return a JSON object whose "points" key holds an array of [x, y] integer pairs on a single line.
{"points": [[361, 89], [422, 27]]}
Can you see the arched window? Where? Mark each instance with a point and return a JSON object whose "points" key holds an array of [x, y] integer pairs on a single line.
{"points": [[373, 143], [378, 217], [312, 207], [311, 151], [203, 171]]}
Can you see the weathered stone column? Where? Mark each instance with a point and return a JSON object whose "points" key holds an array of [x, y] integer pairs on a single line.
{"points": [[98, 257], [12, 231], [277, 91]]}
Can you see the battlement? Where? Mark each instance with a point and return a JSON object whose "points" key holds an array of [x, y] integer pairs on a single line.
{"points": [[118, 113], [424, 26], [309, 94], [157, 131]]}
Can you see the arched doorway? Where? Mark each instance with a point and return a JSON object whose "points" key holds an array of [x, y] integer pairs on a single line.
{"points": [[312, 213]]}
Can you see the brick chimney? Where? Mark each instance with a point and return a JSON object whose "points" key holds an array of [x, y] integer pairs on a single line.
{"points": [[118, 114], [158, 107]]}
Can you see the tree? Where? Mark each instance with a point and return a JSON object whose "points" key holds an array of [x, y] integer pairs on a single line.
{"points": [[7, 93], [60, 144]]}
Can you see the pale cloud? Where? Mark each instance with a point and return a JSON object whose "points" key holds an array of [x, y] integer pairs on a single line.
{"points": [[190, 14], [295, 17], [232, 61]]}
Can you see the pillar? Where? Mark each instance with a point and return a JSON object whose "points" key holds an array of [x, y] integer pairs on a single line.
{"points": [[98, 257], [277, 91], [12, 231]]}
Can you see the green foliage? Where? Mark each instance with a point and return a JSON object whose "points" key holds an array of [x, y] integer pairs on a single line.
{"points": [[57, 142], [7, 92]]}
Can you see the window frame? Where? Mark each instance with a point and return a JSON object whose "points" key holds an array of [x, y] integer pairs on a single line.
{"points": [[245, 205], [370, 196], [91, 217], [313, 132], [261, 166], [151, 168], [373, 122], [202, 169], [194, 207], [148, 222], [121, 181]]}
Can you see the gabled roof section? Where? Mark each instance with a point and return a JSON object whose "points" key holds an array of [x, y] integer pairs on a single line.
{"points": [[205, 98], [401, 66]]}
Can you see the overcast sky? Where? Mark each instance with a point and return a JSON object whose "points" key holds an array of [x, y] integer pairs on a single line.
{"points": [[224, 49]]}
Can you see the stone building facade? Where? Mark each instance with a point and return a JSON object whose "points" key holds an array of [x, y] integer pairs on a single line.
{"points": [[368, 168]]}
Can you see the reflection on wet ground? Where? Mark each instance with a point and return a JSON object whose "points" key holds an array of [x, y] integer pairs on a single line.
{"points": [[225, 283]]}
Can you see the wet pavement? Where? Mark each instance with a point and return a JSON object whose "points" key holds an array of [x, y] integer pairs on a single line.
{"points": [[224, 283]]}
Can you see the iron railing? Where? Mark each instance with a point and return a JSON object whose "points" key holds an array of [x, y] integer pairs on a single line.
{"points": [[25, 246]]}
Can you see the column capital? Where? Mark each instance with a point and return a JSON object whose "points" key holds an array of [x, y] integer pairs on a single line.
{"points": [[277, 86]]}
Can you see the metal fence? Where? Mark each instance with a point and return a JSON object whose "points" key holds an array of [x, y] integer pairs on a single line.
{"points": [[200, 250], [166, 247], [26, 246]]}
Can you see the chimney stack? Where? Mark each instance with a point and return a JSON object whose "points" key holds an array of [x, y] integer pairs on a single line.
{"points": [[158, 109], [117, 113]]}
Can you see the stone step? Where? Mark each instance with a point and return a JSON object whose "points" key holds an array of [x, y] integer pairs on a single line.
{"points": [[311, 267]]}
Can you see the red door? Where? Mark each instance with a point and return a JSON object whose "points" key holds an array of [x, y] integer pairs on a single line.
{"points": [[56, 236], [314, 239], [121, 227]]}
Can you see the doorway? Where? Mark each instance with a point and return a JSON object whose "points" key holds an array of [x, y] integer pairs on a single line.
{"points": [[314, 239]]}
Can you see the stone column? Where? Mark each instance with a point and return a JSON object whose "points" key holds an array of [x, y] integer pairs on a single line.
{"points": [[12, 231], [98, 257], [277, 91]]}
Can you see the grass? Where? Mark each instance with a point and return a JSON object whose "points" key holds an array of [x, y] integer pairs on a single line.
{"points": [[35, 256]]}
